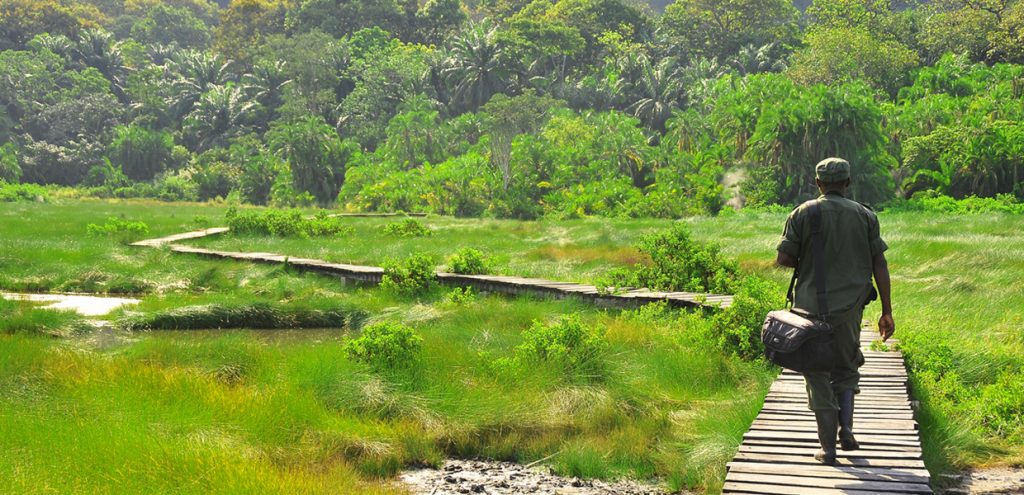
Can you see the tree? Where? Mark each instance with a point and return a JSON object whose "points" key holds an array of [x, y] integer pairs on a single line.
{"points": [[846, 54], [413, 135], [141, 153], [439, 20], [194, 73], [340, 18], [797, 127], [315, 154], [476, 67], [654, 92], [221, 113], [246, 24], [507, 117], [10, 170], [167, 25], [266, 83], [318, 67], [22, 20], [718, 29], [385, 76]]}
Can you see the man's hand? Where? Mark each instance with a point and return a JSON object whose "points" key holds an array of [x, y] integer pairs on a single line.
{"points": [[886, 326]]}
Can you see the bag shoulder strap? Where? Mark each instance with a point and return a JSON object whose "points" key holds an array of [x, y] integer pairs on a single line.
{"points": [[818, 256]]}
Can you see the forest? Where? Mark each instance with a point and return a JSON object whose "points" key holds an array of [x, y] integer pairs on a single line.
{"points": [[512, 108]]}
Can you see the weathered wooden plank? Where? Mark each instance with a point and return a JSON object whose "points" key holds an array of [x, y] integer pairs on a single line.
{"points": [[779, 458], [867, 440], [838, 472], [811, 450], [797, 444], [825, 482], [756, 488]]}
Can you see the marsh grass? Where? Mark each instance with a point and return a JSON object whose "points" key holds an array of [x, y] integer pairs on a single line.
{"points": [[259, 315], [254, 411], [28, 318]]}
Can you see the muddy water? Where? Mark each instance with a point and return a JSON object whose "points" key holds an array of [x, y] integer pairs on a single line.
{"points": [[82, 304]]}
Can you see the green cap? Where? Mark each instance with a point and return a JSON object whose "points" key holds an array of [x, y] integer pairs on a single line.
{"points": [[832, 170]]}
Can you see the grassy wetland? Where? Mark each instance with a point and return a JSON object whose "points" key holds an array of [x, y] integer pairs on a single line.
{"points": [[124, 409]]}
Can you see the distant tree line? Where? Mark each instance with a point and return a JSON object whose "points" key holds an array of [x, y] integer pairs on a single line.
{"points": [[511, 108]]}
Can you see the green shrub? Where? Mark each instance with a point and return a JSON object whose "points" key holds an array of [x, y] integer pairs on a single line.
{"points": [[468, 261], [678, 263], [385, 346], [10, 170], [568, 343], [460, 295], [737, 329], [10, 193], [281, 223], [414, 275], [408, 228], [115, 227], [930, 201]]}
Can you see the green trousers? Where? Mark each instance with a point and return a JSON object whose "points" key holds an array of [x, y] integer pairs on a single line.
{"points": [[823, 387]]}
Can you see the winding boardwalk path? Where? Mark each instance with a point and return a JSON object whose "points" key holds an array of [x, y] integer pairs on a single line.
{"points": [[776, 456], [486, 283]]}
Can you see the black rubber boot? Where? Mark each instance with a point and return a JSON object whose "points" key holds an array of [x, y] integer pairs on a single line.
{"points": [[846, 438], [828, 423]]}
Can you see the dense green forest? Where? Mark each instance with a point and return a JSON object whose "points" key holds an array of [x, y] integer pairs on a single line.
{"points": [[512, 108]]}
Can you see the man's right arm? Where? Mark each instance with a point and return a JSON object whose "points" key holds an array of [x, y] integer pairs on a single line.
{"points": [[886, 325]]}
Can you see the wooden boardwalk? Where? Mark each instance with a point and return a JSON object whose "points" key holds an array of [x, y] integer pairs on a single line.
{"points": [[776, 456], [483, 283]]}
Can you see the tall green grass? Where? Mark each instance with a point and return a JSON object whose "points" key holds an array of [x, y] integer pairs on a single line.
{"points": [[240, 411]]}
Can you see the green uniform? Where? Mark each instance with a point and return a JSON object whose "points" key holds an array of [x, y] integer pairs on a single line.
{"points": [[851, 238]]}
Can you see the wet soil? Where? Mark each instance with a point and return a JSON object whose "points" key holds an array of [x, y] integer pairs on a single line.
{"points": [[500, 478]]}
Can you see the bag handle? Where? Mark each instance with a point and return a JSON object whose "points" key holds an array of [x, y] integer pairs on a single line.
{"points": [[818, 257]]}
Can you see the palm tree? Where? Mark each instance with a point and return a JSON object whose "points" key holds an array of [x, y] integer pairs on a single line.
{"points": [[100, 50], [192, 74], [265, 83], [475, 68], [221, 113], [652, 91], [753, 59]]}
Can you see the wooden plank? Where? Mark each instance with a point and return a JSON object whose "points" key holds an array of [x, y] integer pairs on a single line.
{"points": [[756, 488], [867, 440], [797, 444], [779, 458], [811, 450], [826, 482], [838, 472]]}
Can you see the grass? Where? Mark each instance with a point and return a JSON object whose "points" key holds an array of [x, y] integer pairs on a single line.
{"points": [[255, 411]]}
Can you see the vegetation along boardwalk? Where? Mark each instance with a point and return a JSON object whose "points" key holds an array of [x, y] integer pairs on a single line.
{"points": [[488, 283], [776, 455]]}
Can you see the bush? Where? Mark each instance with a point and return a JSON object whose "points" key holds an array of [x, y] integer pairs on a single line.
{"points": [[10, 170], [119, 228], [468, 261], [737, 329], [285, 224], [933, 202], [567, 343], [385, 346], [10, 193], [408, 228], [460, 295], [678, 263], [414, 275]]}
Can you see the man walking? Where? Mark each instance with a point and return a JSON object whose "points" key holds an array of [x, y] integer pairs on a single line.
{"points": [[853, 252]]}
